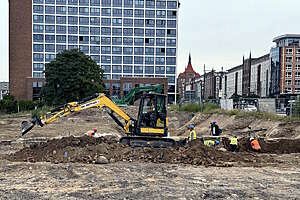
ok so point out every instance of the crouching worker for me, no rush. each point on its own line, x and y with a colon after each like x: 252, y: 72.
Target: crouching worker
x: 192, y: 135
x: 233, y: 143
x: 91, y: 133
x: 255, y: 144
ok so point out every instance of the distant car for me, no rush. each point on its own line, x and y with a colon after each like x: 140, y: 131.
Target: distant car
x: 250, y: 108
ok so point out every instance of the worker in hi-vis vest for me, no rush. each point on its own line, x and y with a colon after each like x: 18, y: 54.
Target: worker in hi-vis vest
x: 193, y: 135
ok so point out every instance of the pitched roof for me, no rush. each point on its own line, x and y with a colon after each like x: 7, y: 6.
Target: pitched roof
x: 189, y: 69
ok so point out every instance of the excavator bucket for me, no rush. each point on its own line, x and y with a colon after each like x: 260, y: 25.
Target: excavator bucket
x: 26, y: 126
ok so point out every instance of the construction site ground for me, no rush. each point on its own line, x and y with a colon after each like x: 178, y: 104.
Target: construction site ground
x: 68, y: 165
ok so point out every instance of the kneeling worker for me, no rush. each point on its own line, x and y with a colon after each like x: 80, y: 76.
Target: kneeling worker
x: 233, y: 143
x: 193, y: 135
x: 255, y: 144
x: 91, y: 133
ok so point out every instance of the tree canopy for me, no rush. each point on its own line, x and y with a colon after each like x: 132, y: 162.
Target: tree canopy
x: 71, y: 77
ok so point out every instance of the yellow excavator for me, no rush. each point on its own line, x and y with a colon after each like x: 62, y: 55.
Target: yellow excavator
x: 149, y: 129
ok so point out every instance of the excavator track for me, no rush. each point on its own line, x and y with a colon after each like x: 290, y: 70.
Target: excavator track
x: 153, y: 142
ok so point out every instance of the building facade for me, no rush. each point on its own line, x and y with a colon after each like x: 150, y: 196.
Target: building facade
x: 127, y: 38
x: 186, y: 82
x: 285, y: 65
x: 4, y: 89
x: 233, y: 81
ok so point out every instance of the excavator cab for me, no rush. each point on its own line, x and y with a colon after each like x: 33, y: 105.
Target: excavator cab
x: 152, y: 116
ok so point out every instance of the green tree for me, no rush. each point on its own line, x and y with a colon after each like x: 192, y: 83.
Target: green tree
x: 71, y: 77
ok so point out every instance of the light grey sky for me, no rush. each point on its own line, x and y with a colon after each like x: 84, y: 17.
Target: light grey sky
x: 216, y: 32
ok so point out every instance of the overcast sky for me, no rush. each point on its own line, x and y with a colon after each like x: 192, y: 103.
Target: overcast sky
x: 216, y: 32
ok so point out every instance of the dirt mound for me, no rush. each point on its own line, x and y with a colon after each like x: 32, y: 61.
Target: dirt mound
x: 276, y: 146
x: 89, y: 150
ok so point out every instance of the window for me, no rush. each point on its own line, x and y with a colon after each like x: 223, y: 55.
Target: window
x: 171, y: 42
x: 139, y: 32
x: 139, y: 22
x: 49, y: 57
x: 117, y: 22
x: 138, y: 50
x: 171, y: 32
x: 49, y: 9
x: 38, y: 28
x: 73, y: 2
x: 160, y: 23
x: 106, y: 40
x: 95, y: 12
x: 161, y: 4
x: 288, y: 67
x: 38, y: 9
x: 83, y: 39
x: 128, y: 3
x: 84, y: 21
x: 127, y: 31
x: 105, y: 50
x: 73, y: 39
x: 38, y: 1
x: 116, y: 68
x: 289, y: 51
x: 117, y: 3
x: 95, y: 40
x: 105, y: 21
x: 160, y: 42
x: 172, y: 5
x: 38, y: 47
x: 172, y: 13
x: 128, y: 13
x: 149, y: 70
x: 60, y: 10
x: 171, y: 69
x: 38, y: 75
x: 138, y: 69
x: 116, y: 50
x: 149, y: 41
x: 117, y: 12
x: 160, y: 51
x: 139, y: 3
x: 150, y: 32
x: 171, y: 79
x: 149, y: 51
x: 288, y: 74
x: 49, y: 48
x: 297, y: 82
x: 160, y: 33
x: 297, y: 51
x: 150, y: 13
x: 83, y: 30
x: 160, y: 13
x: 60, y: 48
x: 160, y: 60
x: 105, y: 59
x: 149, y: 22
x: 127, y: 41
x: 83, y: 10
x: 159, y: 70
x: 128, y: 22
x: 117, y: 41
x: 38, y: 18
x: 127, y: 50
x: 49, y: 1
x: 297, y: 59
x: 38, y: 67
x: 127, y: 60
x: 95, y: 31
x: 171, y: 52
x: 171, y: 61
x: 61, y: 2
x: 61, y: 20
x: 139, y: 41
x: 95, y: 50
x: 72, y: 10
x: 297, y: 67
x: 138, y: 13
x: 61, y: 29
x: 106, y: 76
x: 73, y: 20
x: 150, y: 3
x: 72, y: 47
x: 288, y: 82
x: 38, y: 57
x: 49, y: 38
x: 73, y: 30
x: 127, y: 69
x: 38, y: 37
x: 83, y: 2
x: 106, y: 2
x: 149, y: 60
x: 138, y: 60
x: 171, y: 24
x: 106, y: 12
x: 106, y: 68
x: 95, y: 21
x: 95, y: 2
x: 116, y: 90
x: 288, y: 59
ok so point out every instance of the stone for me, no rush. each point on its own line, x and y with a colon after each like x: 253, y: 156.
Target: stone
x: 101, y: 160
x: 222, y: 149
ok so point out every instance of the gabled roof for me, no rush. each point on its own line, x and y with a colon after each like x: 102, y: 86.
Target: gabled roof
x: 189, y: 69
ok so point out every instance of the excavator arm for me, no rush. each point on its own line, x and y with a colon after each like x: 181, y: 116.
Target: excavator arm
x: 96, y: 101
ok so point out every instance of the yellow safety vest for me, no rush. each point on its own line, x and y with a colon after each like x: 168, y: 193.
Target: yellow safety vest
x: 209, y: 143
x: 233, y: 141
x: 193, y: 135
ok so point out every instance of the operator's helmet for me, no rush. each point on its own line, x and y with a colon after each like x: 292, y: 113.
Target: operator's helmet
x: 94, y: 129
x: 192, y: 126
